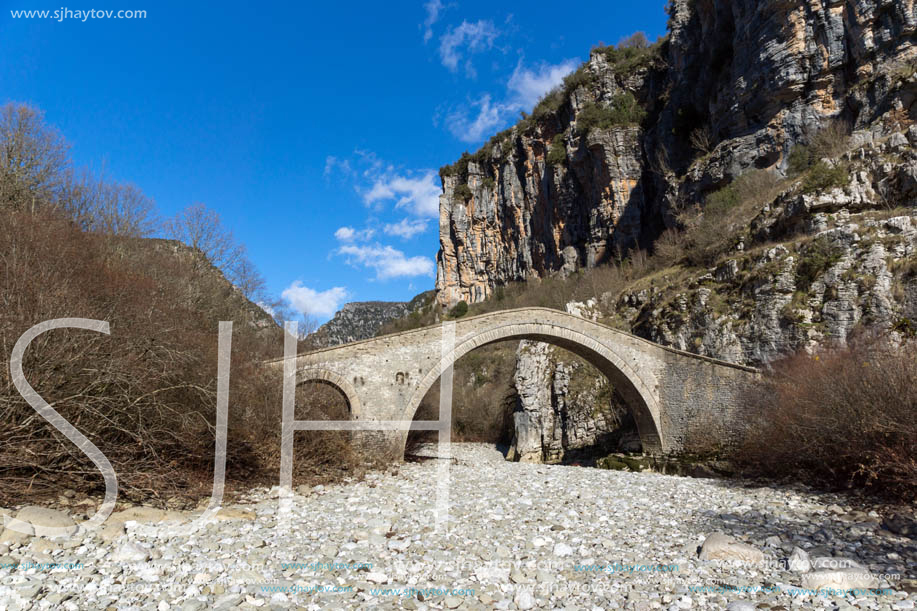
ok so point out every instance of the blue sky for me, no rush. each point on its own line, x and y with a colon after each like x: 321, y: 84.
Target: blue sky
x: 315, y: 129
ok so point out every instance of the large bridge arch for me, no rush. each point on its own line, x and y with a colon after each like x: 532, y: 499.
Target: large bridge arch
x: 633, y: 386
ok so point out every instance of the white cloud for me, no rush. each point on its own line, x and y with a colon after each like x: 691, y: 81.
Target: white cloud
x: 349, y: 234
x: 476, y: 37
x: 490, y: 116
x: 345, y: 234
x: 524, y: 89
x: 332, y: 163
x: 418, y: 194
x: 528, y: 86
x: 314, y: 303
x: 433, y: 8
x: 388, y: 262
x: 271, y: 312
x: 406, y: 228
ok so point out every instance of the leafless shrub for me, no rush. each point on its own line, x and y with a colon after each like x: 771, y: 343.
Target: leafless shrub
x: 660, y: 164
x: 637, y: 40
x: 702, y: 139
x: 841, y: 418
x: 831, y: 141
x: 669, y: 247
x: 145, y: 395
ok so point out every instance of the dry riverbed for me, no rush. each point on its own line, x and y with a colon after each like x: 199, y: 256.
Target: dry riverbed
x: 519, y: 536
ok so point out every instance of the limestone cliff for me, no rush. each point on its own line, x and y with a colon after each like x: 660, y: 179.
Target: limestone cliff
x: 643, y: 143
x: 564, y: 404
x: 817, y: 268
x: 606, y: 162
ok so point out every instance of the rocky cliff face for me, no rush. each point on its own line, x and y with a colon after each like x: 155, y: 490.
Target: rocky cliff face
x: 819, y: 267
x: 639, y: 141
x: 358, y: 320
x: 563, y: 405
x: 736, y: 84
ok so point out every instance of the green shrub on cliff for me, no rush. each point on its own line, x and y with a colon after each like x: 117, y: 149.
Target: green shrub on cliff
x: 460, y: 309
x: 830, y: 141
x: 557, y: 153
x: 624, y: 110
x: 799, y: 160
x: 549, y: 104
x: 580, y: 77
x: 822, y: 176
x: 462, y: 192
x: 814, y: 261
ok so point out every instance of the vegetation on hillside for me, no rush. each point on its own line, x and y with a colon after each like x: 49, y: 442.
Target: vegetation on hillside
x: 841, y: 418
x: 624, y: 110
x: 73, y: 245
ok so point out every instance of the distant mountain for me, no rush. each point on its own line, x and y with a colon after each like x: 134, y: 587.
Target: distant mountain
x: 363, y: 319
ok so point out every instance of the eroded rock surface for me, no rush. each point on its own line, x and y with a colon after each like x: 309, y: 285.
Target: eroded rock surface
x: 736, y: 85
x: 564, y: 404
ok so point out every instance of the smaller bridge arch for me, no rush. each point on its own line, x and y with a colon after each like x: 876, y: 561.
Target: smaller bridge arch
x: 304, y: 375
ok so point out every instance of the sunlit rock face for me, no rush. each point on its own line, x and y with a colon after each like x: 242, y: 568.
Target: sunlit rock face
x: 735, y: 86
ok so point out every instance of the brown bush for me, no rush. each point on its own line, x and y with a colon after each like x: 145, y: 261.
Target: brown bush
x: 712, y: 230
x: 145, y: 395
x: 670, y: 246
x: 843, y: 418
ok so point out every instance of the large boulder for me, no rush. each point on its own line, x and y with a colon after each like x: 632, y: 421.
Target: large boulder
x: 40, y: 522
x: 839, y: 579
x: 720, y: 546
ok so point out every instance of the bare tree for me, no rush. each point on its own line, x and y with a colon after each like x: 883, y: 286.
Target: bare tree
x: 637, y: 40
x: 76, y: 197
x: 33, y: 157
x: 201, y: 228
x: 249, y: 280
x: 123, y: 209
x: 112, y: 208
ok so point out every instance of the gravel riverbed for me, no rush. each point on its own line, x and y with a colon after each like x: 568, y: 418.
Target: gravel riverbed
x: 519, y: 536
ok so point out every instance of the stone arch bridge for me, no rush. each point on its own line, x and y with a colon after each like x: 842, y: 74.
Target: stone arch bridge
x: 681, y: 402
